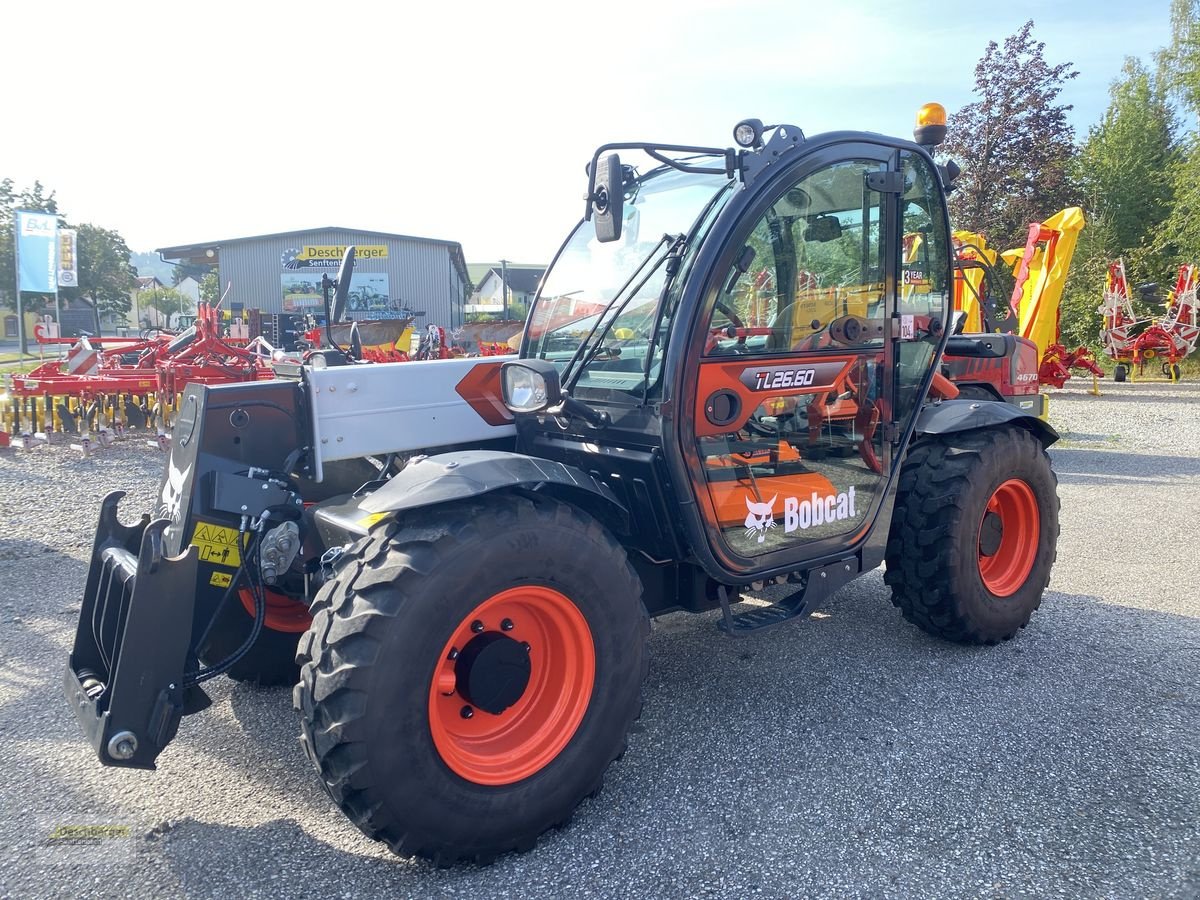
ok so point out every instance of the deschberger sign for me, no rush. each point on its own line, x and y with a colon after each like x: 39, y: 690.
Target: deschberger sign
x: 329, y: 256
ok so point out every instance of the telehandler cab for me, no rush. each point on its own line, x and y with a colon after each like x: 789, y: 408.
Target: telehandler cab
x: 730, y: 377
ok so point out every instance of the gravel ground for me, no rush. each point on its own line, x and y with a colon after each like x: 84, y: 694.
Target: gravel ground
x: 848, y: 755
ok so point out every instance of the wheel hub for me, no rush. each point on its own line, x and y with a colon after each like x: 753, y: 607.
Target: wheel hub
x: 991, y: 533
x: 492, y: 672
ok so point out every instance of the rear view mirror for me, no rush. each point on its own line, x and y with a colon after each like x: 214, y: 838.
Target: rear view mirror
x: 343, y: 284
x: 823, y: 228
x: 608, y: 199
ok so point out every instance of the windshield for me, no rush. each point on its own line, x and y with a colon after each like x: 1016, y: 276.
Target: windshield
x: 612, y: 289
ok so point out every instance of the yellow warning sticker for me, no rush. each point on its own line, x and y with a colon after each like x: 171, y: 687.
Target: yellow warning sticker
x: 220, y: 579
x: 371, y: 519
x: 218, y: 545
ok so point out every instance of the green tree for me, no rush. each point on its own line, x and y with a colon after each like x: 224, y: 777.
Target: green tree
x: 105, y: 274
x: 1179, y: 63
x: 1124, y: 167
x: 210, y: 288
x: 1014, y: 143
x: 167, y: 303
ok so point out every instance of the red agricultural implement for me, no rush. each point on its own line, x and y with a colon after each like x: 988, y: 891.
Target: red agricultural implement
x: 131, y: 380
x: 1134, y: 341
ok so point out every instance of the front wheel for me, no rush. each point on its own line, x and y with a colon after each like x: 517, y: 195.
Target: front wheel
x: 974, y: 534
x: 469, y: 677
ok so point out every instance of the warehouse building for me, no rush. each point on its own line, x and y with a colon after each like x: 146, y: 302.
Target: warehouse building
x: 279, y: 275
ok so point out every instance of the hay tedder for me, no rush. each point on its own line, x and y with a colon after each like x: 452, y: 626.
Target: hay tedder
x: 1134, y: 341
x: 455, y: 561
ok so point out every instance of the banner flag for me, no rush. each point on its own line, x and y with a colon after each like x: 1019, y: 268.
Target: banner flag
x: 37, y: 249
x: 68, y: 258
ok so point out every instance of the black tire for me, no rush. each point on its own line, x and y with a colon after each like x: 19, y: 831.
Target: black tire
x: 378, y: 640
x: 271, y: 659
x: 935, y: 557
x: 975, y: 392
x: 1119, y: 373
x: 1175, y: 372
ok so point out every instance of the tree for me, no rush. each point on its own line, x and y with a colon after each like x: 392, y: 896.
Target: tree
x: 1179, y: 63
x: 1014, y: 143
x: 1179, y: 238
x: 167, y: 302
x: 181, y: 271
x: 210, y: 288
x: 105, y: 274
x: 1124, y: 167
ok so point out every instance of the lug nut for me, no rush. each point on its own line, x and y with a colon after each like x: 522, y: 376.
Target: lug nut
x: 467, y: 712
x: 525, y: 644
x: 506, y: 625
x: 454, y: 653
x: 477, y: 626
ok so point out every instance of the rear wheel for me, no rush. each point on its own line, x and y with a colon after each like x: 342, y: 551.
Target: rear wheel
x: 1119, y: 373
x: 468, y: 679
x: 974, y: 534
x: 1175, y: 372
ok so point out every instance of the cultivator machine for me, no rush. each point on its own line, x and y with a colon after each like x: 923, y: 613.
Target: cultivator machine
x: 1134, y: 341
x: 119, y: 383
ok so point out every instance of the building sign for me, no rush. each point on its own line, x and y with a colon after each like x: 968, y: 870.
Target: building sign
x: 329, y: 256
x: 68, y: 259
x: 38, y: 251
x: 368, y: 298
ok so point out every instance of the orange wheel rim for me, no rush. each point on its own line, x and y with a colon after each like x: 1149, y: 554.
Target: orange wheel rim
x: 512, y: 685
x: 1008, y: 538
x: 283, y: 612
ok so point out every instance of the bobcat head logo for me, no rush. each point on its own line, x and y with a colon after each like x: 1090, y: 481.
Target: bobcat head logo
x: 759, y: 518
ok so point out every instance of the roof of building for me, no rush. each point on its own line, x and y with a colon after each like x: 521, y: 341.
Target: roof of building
x: 523, y: 279
x: 207, y: 252
x: 145, y: 281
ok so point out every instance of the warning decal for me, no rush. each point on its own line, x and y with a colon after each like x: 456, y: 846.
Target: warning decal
x: 217, y: 544
x: 220, y: 579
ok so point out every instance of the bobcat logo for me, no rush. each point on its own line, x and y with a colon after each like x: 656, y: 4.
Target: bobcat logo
x: 172, y: 493
x: 759, y: 518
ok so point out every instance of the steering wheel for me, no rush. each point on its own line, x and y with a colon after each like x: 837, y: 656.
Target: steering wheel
x: 735, y: 323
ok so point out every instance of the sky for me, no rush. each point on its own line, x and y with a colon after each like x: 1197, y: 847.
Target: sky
x: 177, y: 123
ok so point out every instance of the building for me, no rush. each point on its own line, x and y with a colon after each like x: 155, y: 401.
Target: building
x: 522, y: 280
x: 395, y: 275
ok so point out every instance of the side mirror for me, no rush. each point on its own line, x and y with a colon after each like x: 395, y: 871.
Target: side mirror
x: 343, y: 284
x: 608, y: 199
x: 958, y: 321
x: 823, y: 228
x: 530, y: 385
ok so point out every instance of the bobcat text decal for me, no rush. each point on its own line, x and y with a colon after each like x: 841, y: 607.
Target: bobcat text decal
x: 817, y: 510
x: 799, y: 515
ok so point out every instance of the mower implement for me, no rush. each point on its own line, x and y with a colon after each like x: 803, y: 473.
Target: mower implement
x: 734, y: 375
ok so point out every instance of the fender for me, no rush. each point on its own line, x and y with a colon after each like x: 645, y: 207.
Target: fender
x: 951, y: 416
x: 430, y: 480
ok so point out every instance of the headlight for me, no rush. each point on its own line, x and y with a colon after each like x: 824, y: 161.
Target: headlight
x: 524, y: 390
x: 530, y: 385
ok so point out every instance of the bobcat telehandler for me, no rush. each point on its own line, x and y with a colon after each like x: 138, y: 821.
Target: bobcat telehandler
x: 730, y: 378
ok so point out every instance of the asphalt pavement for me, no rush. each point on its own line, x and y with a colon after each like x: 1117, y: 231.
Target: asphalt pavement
x: 849, y: 755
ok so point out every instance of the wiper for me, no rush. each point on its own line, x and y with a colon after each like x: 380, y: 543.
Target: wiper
x: 582, y: 355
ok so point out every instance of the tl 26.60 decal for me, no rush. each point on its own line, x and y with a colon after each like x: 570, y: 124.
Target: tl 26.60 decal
x: 776, y: 378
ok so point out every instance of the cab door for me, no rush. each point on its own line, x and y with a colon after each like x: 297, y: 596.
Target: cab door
x: 799, y: 397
